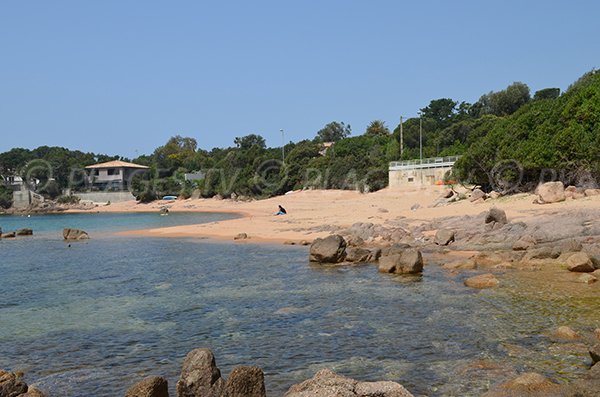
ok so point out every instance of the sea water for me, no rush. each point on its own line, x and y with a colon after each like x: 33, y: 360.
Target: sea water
x: 93, y: 317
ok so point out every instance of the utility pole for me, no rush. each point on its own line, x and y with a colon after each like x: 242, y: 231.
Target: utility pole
x: 421, y: 137
x: 282, y: 147
x: 421, y: 145
x: 401, y: 139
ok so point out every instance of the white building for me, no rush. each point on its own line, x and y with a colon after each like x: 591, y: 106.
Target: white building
x: 430, y: 171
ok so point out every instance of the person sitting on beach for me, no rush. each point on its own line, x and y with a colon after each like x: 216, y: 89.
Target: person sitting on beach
x: 281, y: 211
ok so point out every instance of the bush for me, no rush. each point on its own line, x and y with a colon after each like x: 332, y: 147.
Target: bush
x: 6, y: 197
x: 68, y: 199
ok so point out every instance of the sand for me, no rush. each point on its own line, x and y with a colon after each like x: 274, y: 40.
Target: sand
x: 312, y: 212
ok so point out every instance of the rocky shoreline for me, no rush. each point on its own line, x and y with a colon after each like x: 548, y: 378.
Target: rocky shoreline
x: 200, y: 377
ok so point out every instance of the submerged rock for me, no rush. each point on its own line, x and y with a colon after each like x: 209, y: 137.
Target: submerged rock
x: 331, y: 249
x: 200, y: 376
x: 482, y: 281
x: 565, y: 332
x: 245, y: 381
x: 327, y: 383
x: 528, y: 384
x: 153, y: 386
x: 75, y: 234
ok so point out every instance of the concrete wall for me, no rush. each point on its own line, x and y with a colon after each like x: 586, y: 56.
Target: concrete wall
x: 105, y: 197
x: 21, y: 199
x: 416, y: 177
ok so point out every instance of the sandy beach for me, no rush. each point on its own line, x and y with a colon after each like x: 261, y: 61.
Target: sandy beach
x: 315, y: 213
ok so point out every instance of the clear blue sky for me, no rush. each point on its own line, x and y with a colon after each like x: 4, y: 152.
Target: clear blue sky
x: 121, y: 77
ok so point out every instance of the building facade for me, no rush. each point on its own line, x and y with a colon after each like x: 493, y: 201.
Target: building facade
x: 430, y: 171
x: 113, y: 176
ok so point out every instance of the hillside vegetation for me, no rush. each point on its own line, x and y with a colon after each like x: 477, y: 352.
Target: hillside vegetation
x: 509, y: 141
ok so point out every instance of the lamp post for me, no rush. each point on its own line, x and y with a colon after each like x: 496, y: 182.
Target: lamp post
x: 282, y: 147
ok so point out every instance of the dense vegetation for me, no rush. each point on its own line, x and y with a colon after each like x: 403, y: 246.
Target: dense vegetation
x: 509, y: 141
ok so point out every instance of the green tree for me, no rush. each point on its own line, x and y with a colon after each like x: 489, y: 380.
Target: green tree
x: 248, y: 141
x: 333, y: 132
x: 377, y: 127
x: 546, y: 93
x: 505, y: 102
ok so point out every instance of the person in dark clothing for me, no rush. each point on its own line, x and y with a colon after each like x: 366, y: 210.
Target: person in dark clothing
x: 282, y: 211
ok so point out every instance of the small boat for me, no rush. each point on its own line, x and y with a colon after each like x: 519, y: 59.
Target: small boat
x: 169, y: 198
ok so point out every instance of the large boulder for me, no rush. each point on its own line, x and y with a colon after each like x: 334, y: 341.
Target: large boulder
x: 152, y: 386
x: 245, y: 381
x: 551, y: 192
x: 362, y: 255
x: 200, y: 376
x: 75, y: 234
x: 444, y: 237
x: 496, y: 215
x: 482, y: 281
x: 331, y: 249
x: 410, y: 261
x: 327, y: 383
x: 580, y: 262
x: 11, y: 385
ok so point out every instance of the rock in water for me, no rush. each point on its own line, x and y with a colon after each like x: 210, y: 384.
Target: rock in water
x: 9, y: 235
x: 580, y: 262
x: 200, y: 376
x: 444, y: 237
x: 482, y: 281
x: 24, y: 232
x: 75, y: 234
x: 595, y: 353
x: 32, y: 392
x: 245, y: 381
x: 153, y: 386
x: 568, y: 333
x: 496, y: 215
x: 327, y: 383
x: 551, y: 192
x: 410, y: 261
x: 331, y: 249
x: 11, y: 385
x: 528, y: 384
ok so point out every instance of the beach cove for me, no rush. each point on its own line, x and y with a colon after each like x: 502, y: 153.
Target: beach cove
x: 132, y: 304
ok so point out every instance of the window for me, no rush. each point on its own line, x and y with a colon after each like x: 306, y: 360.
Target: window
x: 113, y: 171
x: 411, y: 179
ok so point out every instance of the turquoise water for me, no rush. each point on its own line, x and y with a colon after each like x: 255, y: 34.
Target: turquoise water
x: 93, y: 318
x: 105, y: 222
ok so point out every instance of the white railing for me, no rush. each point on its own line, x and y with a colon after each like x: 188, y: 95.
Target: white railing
x: 432, y: 162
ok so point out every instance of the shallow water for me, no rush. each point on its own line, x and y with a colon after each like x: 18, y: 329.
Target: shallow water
x: 93, y: 318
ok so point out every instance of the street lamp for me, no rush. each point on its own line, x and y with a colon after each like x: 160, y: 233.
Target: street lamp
x: 282, y: 147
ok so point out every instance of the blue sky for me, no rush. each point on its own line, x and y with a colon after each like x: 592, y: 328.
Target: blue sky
x: 121, y: 77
